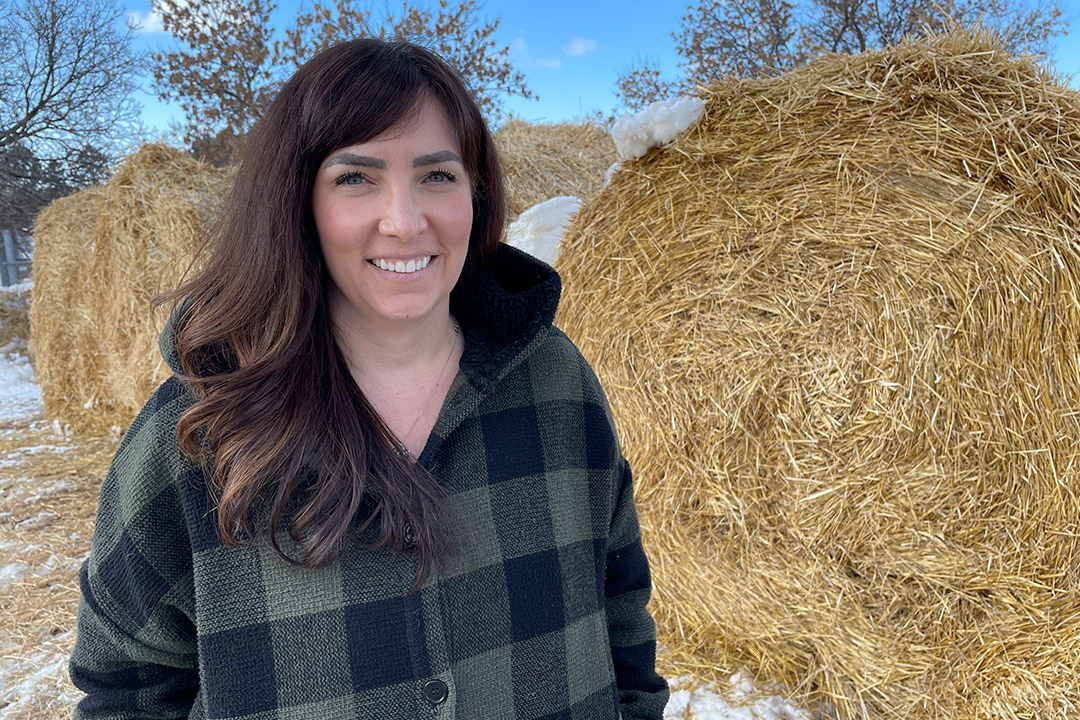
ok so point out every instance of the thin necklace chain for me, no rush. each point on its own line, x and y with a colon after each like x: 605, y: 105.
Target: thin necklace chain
x: 438, y: 379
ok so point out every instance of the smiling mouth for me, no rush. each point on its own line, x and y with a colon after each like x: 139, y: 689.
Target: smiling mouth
x: 401, y: 266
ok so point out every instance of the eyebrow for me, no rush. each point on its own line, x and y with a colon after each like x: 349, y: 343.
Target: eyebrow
x: 437, y: 157
x: 347, y: 158
x: 356, y: 160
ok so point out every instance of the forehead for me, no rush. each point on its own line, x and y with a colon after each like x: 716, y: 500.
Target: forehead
x: 423, y: 130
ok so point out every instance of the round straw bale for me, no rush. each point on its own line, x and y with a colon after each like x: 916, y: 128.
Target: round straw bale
x: 543, y: 161
x: 67, y: 355
x: 100, y: 256
x: 839, y: 323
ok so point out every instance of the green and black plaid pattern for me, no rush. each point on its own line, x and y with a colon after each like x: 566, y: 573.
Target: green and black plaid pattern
x: 538, y: 612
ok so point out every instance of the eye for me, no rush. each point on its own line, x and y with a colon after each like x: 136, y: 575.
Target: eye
x: 353, y: 177
x: 441, y: 176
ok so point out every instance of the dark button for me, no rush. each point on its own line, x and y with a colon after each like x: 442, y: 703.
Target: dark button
x: 436, y: 691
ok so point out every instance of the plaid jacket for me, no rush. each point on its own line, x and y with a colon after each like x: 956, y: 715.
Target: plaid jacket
x: 539, y: 612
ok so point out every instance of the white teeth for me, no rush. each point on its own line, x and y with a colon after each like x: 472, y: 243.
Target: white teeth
x: 401, y: 266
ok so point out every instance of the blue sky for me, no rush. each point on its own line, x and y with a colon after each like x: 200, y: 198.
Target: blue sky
x: 572, y: 51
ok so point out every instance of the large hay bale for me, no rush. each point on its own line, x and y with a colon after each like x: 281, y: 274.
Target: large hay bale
x: 100, y: 257
x: 839, y: 322
x: 544, y: 161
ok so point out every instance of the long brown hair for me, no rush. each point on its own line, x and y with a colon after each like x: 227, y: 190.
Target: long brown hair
x: 287, y: 426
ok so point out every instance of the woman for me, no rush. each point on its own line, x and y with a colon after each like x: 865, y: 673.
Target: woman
x: 380, y: 484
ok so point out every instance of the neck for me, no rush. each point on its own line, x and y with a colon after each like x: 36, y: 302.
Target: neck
x: 404, y: 368
x: 372, y: 346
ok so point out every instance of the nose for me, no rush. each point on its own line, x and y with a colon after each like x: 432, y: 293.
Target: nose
x: 402, y: 216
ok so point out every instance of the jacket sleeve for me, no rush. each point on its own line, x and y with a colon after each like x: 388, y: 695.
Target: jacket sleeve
x: 135, y: 651
x: 627, y: 585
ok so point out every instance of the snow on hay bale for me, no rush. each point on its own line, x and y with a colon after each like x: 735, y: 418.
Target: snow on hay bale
x: 839, y: 322
x: 100, y: 256
x: 539, y: 229
x: 544, y: 161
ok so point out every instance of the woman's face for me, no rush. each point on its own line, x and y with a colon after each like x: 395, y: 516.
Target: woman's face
x: 394, y: 216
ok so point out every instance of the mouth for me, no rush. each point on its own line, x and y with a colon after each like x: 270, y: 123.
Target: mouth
x: 401, y: 266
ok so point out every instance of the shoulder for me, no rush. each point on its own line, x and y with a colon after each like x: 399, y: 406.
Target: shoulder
x: 168, y: 402
x: 142, y: 479
x: 153, y: 431
x: 568, y: 395
x: 557, y: 361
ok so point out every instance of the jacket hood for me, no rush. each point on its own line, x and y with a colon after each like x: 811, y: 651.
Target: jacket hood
x: 501, y: 310
x: 167, y: 341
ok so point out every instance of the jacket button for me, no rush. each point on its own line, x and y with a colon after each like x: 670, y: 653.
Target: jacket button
x: 436, y: 691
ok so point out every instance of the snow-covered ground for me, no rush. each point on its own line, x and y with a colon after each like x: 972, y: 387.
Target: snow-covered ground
x: 20, y: 397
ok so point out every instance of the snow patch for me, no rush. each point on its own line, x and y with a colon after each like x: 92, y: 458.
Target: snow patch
x: 18, y: 290
x: 740, y: 701
x: 12, y: 572
x: 18, y: 457
x: 57, y: 487
x: 20, y: 396
x: 40, y: 520
x: 657, y: 124
x: 539, y: 229
x: 610, y: 172
x: 27, y: 684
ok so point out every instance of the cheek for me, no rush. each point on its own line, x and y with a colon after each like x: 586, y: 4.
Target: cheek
x: 339, y: 225
x: 463, y: 219
x: 327, y: 221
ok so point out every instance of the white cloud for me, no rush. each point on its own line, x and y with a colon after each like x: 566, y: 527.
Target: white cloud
x: 520, y: 53
x: 146, y: 24
x: 518, y: 47
x: 580, y: 46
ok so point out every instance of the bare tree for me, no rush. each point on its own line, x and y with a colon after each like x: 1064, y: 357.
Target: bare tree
x: 753, y: 38
x: 737, y: 37
x: 852, y: 26
x: 66, y: 74
x: 225, y: 80
x: 234, y: 69
x: 641, y: 84
x: 454, y: 31
x: 31, y: 182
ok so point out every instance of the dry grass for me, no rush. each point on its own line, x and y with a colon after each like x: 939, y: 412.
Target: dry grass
x: 543, y: 161
x: 100, y: 257
x: 14, y: 313
x: 839, y: 323
x: 49, y: 483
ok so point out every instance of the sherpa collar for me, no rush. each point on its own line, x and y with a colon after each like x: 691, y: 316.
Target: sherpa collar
x: 502, y: 310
